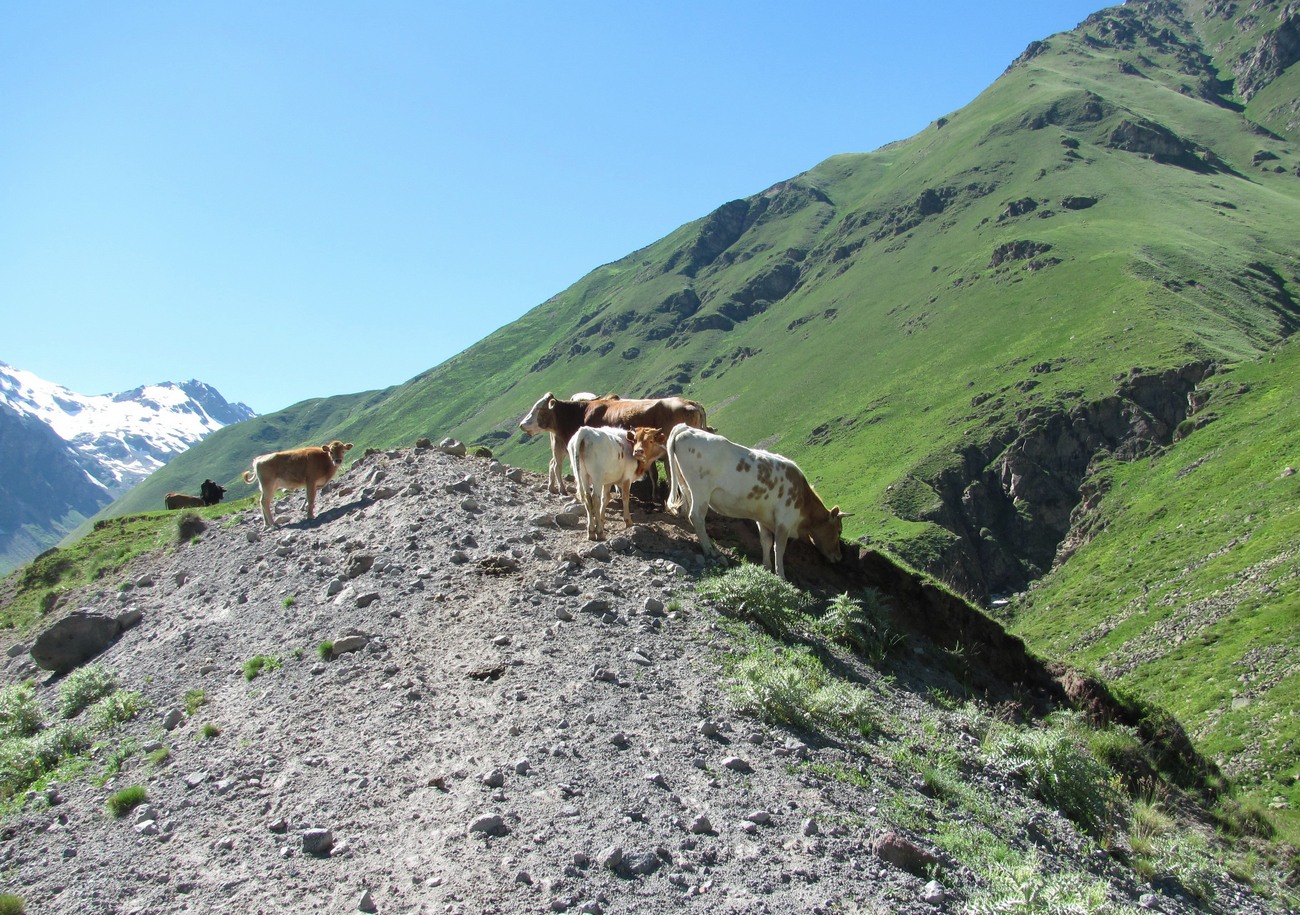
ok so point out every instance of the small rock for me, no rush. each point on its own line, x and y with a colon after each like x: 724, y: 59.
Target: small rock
x: 701, y: 825
x: 452, y: 446
x: 317, y: 841
x: 933, y: 893
x: 366, y: 903
x: 348, y: 643
x: 494, y: 779
x: 489, y: 824
x: 610, y: 857
x: 736, y: 764
x: 657, y: 779
x: 172, y: 718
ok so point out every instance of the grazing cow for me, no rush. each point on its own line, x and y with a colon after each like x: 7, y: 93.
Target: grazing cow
x: 562, y: 418
x: 211, y: 492
x: 181, y: 500
x: 604, y: 457
x: 710, y: 471
x: 302, y: 468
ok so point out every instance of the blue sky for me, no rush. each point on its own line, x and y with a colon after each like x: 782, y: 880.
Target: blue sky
x: 294, y: 200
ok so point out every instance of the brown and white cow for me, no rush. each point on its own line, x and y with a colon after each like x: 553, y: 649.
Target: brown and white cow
x: 181, y: 500
x: 301, y: 468
x: 604, y: 457
x: 562, y: 418
x: 711, y: 471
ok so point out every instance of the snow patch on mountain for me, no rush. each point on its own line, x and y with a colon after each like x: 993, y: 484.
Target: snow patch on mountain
x: 119, y: 439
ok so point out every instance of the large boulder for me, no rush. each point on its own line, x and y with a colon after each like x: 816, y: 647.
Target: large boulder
x: 74, y: 639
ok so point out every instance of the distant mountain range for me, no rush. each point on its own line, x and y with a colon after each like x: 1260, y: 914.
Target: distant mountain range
x: 67, y: 455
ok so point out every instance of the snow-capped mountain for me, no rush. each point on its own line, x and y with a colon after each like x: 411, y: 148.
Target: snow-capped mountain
x: 67, y: 454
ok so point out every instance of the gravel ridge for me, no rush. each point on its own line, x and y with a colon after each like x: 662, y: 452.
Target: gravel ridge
x: 513, y: 719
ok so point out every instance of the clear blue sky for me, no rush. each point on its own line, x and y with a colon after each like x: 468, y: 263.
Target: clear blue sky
x: 292, y: 200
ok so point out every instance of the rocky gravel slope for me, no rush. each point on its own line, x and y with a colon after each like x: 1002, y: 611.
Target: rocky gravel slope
x: 512, y: 719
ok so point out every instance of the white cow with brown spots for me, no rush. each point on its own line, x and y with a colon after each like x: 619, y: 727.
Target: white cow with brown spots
x: 603, y: 457
x: 709, y: 471
x: 301, y: 468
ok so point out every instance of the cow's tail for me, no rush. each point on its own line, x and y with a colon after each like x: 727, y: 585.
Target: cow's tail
x: 676, y: 492
x: 703, y: 417
x: 250, y: 475
x: 580, y: 480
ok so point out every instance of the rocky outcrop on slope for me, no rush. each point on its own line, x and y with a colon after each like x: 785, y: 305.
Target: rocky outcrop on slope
x: 465, y: 706
x: 1009, y: 503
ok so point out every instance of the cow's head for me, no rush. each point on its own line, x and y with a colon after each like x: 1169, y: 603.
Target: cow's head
x: 335, y: 450
x: 825, y: 533
x: 649, y: 444
x: 540, y: 418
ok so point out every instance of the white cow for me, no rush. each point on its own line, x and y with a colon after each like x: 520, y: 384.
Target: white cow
x: 711, y: 471
x: 603, y: 457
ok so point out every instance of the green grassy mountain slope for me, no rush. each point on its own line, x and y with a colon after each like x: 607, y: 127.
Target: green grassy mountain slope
x: 962, y: 337
x: 1187, y: 589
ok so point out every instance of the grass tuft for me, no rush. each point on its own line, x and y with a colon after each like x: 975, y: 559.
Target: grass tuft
x: 258, y: 663
x: 120, y: 803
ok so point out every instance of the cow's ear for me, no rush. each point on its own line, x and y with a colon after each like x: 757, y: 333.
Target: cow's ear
x: 347, y: 447
x: 325, y: 448
x: 550, y: 403
x: 631, y: 436
x: 661, y: 436
x: 839, y: 514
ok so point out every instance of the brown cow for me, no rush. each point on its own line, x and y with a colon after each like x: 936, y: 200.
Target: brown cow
x: 302, y: 468
x: 180, y: 500
x: 562, y: 418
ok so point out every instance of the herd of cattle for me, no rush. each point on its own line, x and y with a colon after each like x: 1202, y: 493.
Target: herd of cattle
x: 609, y: 442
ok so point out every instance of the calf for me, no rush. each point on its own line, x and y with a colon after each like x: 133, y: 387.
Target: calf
x: 708, y: 470
x: 302, y: 468
x: 562, y: 418
x: 211, y: 492
x: 180, y: 500
x: 602, y: 458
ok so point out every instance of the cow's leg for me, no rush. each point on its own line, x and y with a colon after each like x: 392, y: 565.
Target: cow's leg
x: 626, y: 486
x: 765, y: 542
x: 606, y: 491
x: 698, y: 509
x: 311, y: 501
x: 555, y: 481
x: 268, y: 496
x: 782, y: 538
